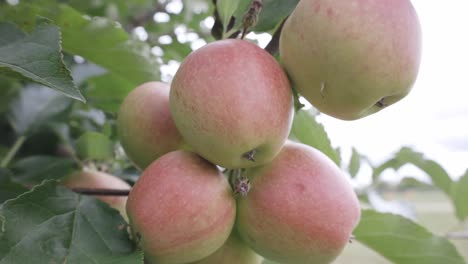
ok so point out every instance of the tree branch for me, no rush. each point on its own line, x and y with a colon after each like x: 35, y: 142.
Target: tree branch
x: 12, y: 152
x: 101, y: 191
x: 462, y: 235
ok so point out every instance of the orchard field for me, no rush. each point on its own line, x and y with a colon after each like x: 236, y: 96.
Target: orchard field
x: 195, y: 131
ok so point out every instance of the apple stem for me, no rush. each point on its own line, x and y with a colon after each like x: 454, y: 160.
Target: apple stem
x: 100, y: 191
x: 239, y: 183
x: 251, y: 16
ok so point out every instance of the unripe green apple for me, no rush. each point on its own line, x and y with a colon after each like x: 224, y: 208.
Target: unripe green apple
x: 350, y: 59
x: 181, y: 209
x: 232, y: 103
x: 88, y: 178
x: 300, y: 209
x: 145, y: 126
x: 234, y: 251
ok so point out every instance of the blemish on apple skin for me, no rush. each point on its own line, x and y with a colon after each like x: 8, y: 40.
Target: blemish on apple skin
x: 322, y: 89
x: 317, y: 8
x: 251, y: 239
x: 330, y: 12
x: 300, y: 187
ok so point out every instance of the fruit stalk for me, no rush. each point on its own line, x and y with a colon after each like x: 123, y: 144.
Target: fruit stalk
x: 251, y: 16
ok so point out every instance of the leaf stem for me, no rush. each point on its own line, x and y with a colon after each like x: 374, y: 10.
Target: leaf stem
x: 12, y: 152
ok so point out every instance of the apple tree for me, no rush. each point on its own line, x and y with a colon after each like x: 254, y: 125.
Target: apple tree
x: 100, y: 98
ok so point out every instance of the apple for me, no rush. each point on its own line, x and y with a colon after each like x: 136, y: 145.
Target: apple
x: 145, y: 126
x: 232, y: 103
x: 88, y: 178
x: 181, y: 209
x: 350, y: 59
x: 300, y: 209
x: 234, y: 251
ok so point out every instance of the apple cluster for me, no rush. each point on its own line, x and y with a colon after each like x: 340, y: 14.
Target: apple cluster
x: 221, y: 182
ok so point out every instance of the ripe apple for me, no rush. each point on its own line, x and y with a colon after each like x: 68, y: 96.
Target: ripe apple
x: 232, y: 103
x: 88, y: 178
x: 234, y: 251
x: 350, y: 59
x: 145, y: 126
x: 181, y: 209
x: 300, y: 209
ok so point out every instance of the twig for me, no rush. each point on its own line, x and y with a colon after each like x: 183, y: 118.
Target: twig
x: 12, y: 152
x: 101, y: 191
x: 251, y: 16
x: 462, y: 235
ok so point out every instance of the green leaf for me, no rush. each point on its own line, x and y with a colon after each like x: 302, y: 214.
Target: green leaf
x: 37, y: 57
x: 273, y: 13
x: 460, y: 196
x: 307, y: 130
x: 105, y: 43
x: 354, y: 163
x: 108, y: 91
x: 9, y: 189
x: 93, y: 145
x: 238, y: 15
x: 403, y: 241
x: 36, y: 107
x: 97, y: 39
x: 51, y: 224
x: 8, y: 90
x: 226, y: 9
x: 406, y: 155
x: 35, y: 169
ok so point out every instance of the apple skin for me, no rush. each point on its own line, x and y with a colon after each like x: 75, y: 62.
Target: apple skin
x: 231, y: 97
x: 181, y: 209
x: 88, y: 178
x: 300, y: 209
x: 145, y: 126
x: 234, y: 251
x: 350, y: 59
